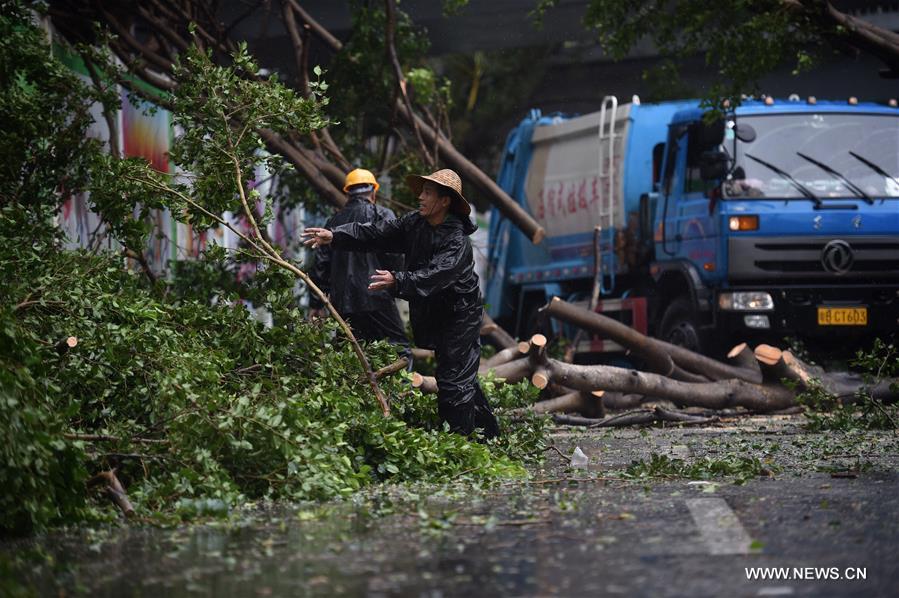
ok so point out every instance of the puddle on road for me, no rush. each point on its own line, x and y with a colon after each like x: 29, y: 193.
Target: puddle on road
x: 548, y: 536
x: 496, y: 544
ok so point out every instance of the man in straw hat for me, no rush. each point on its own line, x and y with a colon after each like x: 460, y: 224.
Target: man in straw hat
x: 440, y: 284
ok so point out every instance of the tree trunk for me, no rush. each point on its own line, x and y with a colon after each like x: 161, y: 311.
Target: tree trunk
x: 466, y: 169
x: 714, y: 395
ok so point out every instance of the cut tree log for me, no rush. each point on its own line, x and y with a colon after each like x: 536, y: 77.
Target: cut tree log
x: 114, y: 490
x: 742, y: 357
x: 661, y: 357
x: 426, y: 384
x: 510, y: 373
x: 63, y: 345
x: 507, y: 355
x: 540, y: 377
x: 773, y: 367
x: 488, y: 327
x: 419, y: 353
x: 657, y: 360
x: 585, y: 403
x: 715, y: 395
x: 497, y: 334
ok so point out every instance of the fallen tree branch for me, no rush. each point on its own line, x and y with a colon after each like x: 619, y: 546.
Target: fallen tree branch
x: 632, y: 418
x: 669, y: 415
x: 397, y: 366
x: 466, y: 169
x: 323, y: 34
x: 265, y: 250
x: 573, y: 420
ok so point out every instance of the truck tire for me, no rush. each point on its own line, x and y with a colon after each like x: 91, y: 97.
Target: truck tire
x: 679, y: 326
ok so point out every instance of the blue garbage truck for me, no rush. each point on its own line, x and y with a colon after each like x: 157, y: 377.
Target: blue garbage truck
x: 777, y: 219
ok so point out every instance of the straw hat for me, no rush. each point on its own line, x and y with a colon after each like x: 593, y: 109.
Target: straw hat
x: 449, y: 181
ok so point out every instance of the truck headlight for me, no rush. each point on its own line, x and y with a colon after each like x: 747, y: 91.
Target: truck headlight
x: 746, y: 301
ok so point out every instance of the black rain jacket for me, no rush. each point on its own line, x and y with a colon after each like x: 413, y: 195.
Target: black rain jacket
x: 344, y: 275
x: 438, y: 280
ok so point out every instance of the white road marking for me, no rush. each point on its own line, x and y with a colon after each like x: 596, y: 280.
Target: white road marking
x: 722, y: 531
x: 776, y: 591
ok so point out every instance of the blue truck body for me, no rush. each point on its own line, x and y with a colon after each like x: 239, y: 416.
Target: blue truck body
x: 796, y: 233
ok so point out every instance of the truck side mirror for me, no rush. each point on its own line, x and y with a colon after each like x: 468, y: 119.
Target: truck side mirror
x: 713, y: 165
x: 744, y: 133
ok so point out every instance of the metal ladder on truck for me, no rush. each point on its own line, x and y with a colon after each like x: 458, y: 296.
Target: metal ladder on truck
x: 608, y: 114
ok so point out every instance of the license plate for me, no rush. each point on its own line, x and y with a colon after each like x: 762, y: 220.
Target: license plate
x: 842, y: 316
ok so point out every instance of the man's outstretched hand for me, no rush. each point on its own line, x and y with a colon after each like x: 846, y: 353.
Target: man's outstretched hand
x: 381, y: 279
x: 317, y: 237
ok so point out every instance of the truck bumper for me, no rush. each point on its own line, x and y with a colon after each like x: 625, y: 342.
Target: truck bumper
x: 851, y: 313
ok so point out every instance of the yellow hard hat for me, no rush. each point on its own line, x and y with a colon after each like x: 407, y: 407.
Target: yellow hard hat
x: 360, y: 176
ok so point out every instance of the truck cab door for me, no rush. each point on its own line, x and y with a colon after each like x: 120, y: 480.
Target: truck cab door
x: 697, y: 229
x: 691, y: 233
x: 667, y: 235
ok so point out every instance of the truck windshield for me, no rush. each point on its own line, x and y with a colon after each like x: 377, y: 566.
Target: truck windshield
x: 831, y: 155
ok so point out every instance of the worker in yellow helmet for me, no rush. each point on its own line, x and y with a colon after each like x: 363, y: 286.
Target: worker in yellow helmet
x: 344, y: 275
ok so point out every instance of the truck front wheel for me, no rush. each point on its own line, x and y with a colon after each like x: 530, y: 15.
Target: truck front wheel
x: 679, y: 326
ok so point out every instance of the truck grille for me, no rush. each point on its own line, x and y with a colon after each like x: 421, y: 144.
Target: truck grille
x: 806, y: 258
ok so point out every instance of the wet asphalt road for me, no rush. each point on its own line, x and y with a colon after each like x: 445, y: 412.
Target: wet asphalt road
x: 827, y: 506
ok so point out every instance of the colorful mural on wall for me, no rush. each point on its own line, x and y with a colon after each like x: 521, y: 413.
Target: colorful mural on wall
x: 82, y: 227
x: 147, y: 131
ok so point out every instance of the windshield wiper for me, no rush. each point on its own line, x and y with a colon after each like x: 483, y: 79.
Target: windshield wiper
x: 874, y: 167
x: 802, y: 188
x: 849, y: 184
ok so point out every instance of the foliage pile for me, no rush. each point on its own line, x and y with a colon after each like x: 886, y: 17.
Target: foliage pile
x: 194, y: 403
x: 824, y: 412
x: 243, y: 410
